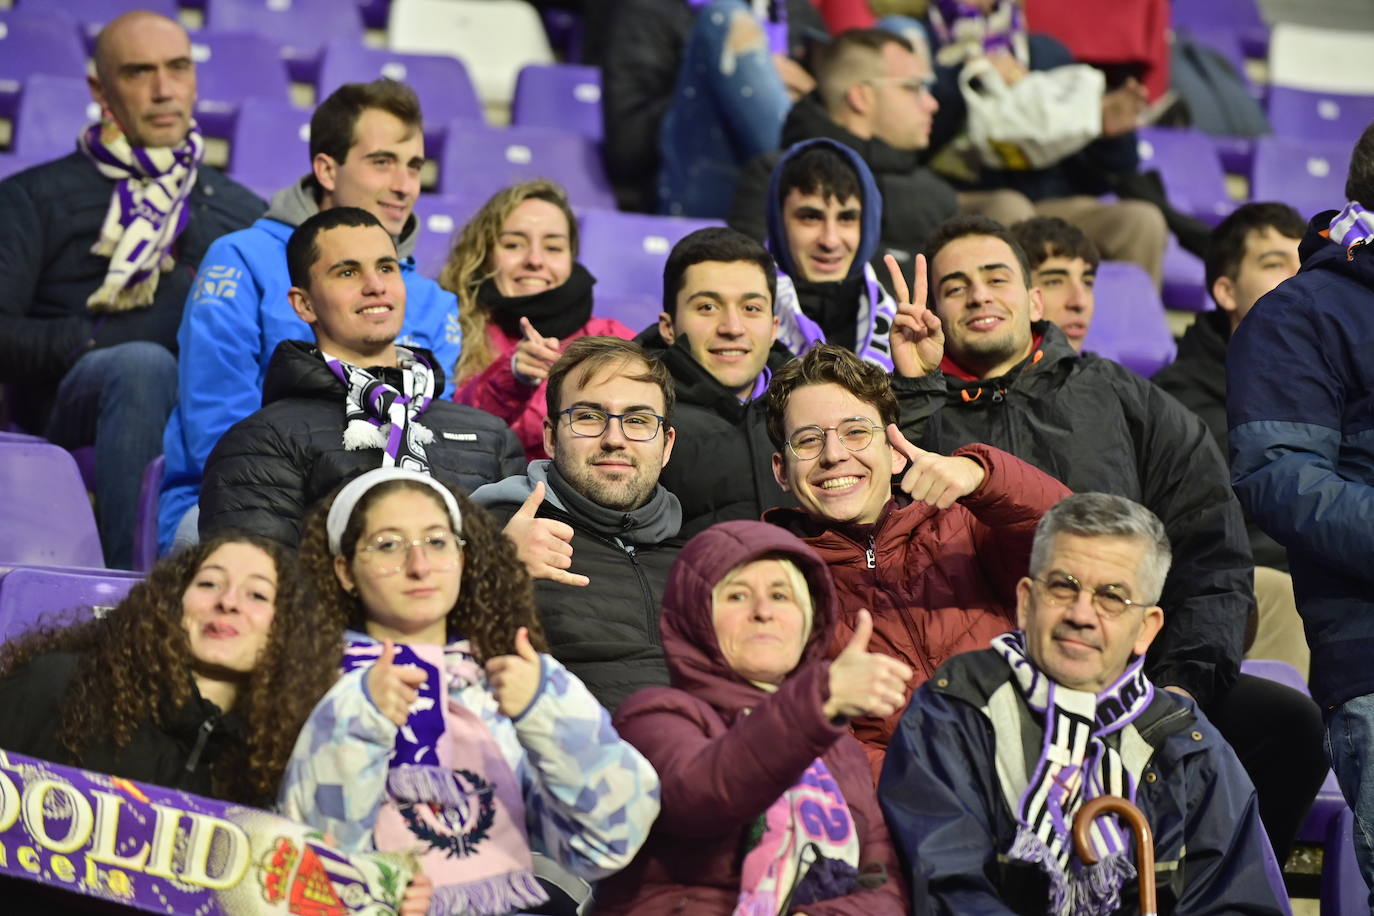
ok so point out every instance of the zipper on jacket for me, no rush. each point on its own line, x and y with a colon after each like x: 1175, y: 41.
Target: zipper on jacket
x: 202, y: 738
x: 871, y: 553
x: 650, y: 625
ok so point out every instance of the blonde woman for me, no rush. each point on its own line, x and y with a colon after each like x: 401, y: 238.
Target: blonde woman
x: 522, y: 295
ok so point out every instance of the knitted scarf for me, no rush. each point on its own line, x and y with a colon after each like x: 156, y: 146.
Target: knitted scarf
x: 147, y: 211
x: 451, y: 792
x: 965, y: 31
x: 1076, y: 764
x: 875, y: 312
x: 807, y: 851
x: 555, y: 312
x: 376, y: 415
x: 1353, y: 225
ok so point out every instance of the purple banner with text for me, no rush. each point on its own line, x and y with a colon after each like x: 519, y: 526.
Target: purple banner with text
x: 171, y: 852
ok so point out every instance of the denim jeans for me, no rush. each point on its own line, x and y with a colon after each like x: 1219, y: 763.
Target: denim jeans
x: 727, y: 108
x: 117, y: 399
x: 1350, y: 747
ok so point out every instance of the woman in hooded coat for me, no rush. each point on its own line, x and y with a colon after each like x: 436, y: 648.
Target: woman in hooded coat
x: 767, y: 802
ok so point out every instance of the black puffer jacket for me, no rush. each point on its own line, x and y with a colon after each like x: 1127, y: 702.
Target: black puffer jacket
x: 915, y: 199
x: 52, y: 215
x: 722, y: 464
x: 639, y: 69
x: 270, y: 467
x: 605, y: 632
x: 1198, y: 379
x: 1100, y: 427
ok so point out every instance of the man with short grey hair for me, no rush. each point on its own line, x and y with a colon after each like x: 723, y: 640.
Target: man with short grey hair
x: 999, y: 751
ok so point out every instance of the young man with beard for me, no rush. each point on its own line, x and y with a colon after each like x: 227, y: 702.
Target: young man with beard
x: 982, y: 366
x: 349, y: 401
x: 716, y: 336
x: 609, y: 430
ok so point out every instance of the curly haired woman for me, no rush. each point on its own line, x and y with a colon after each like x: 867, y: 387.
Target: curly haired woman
x: 193, y: 682
x: 521, y: 297
x: 449, y: 731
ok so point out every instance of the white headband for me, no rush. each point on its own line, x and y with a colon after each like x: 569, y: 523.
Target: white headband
x: 348, y: 497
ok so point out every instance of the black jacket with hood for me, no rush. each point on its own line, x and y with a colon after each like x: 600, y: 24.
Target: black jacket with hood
x: 722, y: 465
x: 1097, y: 426
x: 915, y: 199
x: 270, y: 467
x: 605, y: 632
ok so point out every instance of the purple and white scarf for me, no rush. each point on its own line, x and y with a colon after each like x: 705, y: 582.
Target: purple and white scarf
x: 147, y: 211
x: 1353, y: 226
x: 965, y: 31
x: 1076, y: 764
x: 874, y: 317
x: 376, y: 415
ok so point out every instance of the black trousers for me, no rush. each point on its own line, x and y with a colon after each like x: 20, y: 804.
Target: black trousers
x: 1277, y: 733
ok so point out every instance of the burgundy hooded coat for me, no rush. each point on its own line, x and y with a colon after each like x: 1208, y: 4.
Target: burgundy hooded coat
x: 726, y: 750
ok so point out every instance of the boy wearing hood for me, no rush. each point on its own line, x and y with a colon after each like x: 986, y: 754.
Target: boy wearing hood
x: 1298, y: 380
x: 824, y: 219
x: 366, y: 150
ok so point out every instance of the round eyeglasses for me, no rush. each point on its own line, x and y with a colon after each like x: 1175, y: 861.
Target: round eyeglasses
x: 637, y: 425
x: 1062, y: 590
x: 388, y: 553
x: 854, y: 434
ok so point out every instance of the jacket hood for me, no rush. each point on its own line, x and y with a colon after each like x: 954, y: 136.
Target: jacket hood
x: 871, y: 220
x: 694, y: 385
x: 695, y: 662
x: 296, y: 203
x: 1318, y: 252
x: 297, y: 370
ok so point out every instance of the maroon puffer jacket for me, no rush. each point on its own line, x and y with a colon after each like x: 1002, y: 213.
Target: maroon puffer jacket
x: 726, y: 750
x: 941, y: 582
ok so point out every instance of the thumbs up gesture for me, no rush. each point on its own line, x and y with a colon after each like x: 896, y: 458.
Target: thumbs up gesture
x: 515, y: 678
x: 535, y: 354
x: 394, y: 688
x: 934, y: 479
x: 544, y: 545
x: 917, y: 338
x: 864, y: 683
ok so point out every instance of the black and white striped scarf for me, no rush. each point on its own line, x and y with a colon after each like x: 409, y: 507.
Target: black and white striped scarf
x: 377, y: 415
x: 1075, y: 765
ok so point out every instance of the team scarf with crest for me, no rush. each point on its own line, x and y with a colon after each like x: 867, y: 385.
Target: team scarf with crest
x: 147, y: 211
x: 1353, y: 225
x: 377, y: 415
x: 1076, y: 764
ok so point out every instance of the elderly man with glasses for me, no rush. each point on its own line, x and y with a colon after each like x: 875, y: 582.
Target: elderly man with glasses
x: 998, y: 752
x: 935, y: 558
x: 610, y: 531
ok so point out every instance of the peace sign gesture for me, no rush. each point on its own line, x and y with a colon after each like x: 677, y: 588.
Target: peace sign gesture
x: 917, y: 340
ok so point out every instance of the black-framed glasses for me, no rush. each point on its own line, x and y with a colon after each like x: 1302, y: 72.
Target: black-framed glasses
x: 387, y: 554
x: 854, y: 433
x: 636, y: 425
x: 1062, y: 590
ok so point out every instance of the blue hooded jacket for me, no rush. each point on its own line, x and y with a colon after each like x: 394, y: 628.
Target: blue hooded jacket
x: 874, y: 308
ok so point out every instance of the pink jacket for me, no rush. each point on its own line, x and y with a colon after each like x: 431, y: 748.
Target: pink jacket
x: 497, y: 391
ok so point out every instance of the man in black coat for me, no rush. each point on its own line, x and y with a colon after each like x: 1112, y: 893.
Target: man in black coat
x: 349, y: 402
x: 87, y: 339
x: 981, y: 366
x: 716, y: 336
x: 609, y: 432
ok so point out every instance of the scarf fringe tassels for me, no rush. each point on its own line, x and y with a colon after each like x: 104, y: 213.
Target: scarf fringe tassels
x: 1091, y: 891
x: 508, y: 893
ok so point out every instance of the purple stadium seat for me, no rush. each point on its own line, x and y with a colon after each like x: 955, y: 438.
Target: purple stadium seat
x: 1239, y: 16
x: 1128, y: 321
x: 441, y: 82
x: 561, y: 96
x: 564, y: 28
x: 1184, y: 283
x: 441, y: 217
x: 1309, y: 175
x: 1300, y: 114
x: 270, y: 146
x: 52, y: 112
x: 478, y: 160
x: 1187, y: 159
x: 36, y: 42
x: 232, y: 67
x: 145, y: 527
x: 304, y: 27
x: 45, y: 515
x: 34, y: 596
x: 626, y: 253
x: 92, y: 15
x: 374, y: 12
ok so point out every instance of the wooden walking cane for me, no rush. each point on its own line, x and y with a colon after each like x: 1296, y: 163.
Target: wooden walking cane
x: 1144, y: 843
